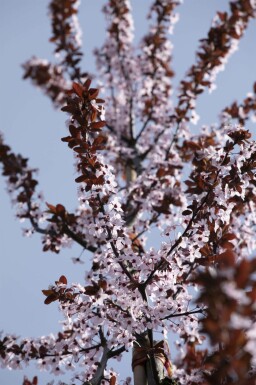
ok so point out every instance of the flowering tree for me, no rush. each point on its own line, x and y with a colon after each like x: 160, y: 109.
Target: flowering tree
x: 140, y: 166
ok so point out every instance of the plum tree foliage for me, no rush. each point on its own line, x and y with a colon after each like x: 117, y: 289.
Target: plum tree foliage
x: 140, y: 165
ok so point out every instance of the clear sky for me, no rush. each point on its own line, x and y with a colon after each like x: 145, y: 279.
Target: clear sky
x: 33, y: 128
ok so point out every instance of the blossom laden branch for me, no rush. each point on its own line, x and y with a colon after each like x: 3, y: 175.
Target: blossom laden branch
x: 66, y: 35
x: 85, y: 110
x: 212, y: 56
x: 241, y: 112
x: 22, y: 186
x: 48, y: 77
x: 154, y: 61
x: 55, y: 79
x: 186, y: 313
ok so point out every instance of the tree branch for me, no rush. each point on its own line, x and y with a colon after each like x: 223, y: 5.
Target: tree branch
x: 189, y: 312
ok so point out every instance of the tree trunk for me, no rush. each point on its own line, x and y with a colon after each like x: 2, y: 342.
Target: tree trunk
x: 148, y: 363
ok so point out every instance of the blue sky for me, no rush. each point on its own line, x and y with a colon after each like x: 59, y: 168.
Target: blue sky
x: 33, y: 128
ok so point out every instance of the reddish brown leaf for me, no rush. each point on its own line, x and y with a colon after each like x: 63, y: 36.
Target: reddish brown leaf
x: 51, y: 208
x: 60, y: 209
x: 98, y: 125
x: 98, y: 181
x: 66, y: 139
x: 243, y: 273
x: 103, y: 284
x: 227, y: 258
x: 78, y: 88
x: 51, y: 298
x: 63, y: 279
x: 229, y: 236
x: 80, y: 178
x: 73, y: 130
x: 93, y: 93
x: 186, y: 212
x: 47, y: 292
x: 87, y: 84
x: 93, y: 114
x: 160, y: 172
x: 112, y: 380
x: 91, y: 290
x: 222, y: 15
x: 99, y: 140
